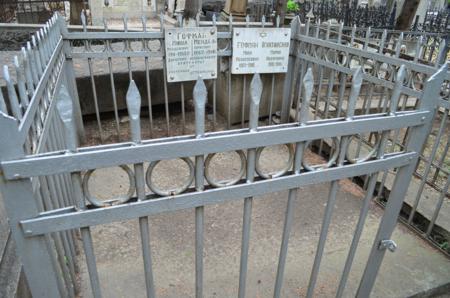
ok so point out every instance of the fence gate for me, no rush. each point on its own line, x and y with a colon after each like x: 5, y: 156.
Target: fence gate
x: 44, y: 173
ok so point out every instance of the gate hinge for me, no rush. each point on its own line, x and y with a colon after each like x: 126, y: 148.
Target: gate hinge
x: 387, y: 244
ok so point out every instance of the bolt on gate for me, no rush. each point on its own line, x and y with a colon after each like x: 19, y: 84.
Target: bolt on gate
x: 45, y: 171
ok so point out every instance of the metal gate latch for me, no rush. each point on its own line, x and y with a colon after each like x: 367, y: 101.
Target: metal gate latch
x: 389, y: 244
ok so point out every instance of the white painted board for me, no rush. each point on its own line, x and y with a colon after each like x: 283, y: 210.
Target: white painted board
x: 191, y: 53
x: 260, y: 50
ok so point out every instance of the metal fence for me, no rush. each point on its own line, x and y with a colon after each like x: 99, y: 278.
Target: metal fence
x: 351, y: 14
x: 45, y: 172
x: 379, y: 17
x: 432, y: 170
x: 31, y: 11
x: 421, y: 47
x: 434, y: 21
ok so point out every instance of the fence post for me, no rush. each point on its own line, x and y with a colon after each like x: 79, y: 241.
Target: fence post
x: 71, y: 79
x: 287, y: 93
x: 20, y: 204
x: 428, y: 102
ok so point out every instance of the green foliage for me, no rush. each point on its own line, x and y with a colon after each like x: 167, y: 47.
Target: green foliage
x: 293, y: 6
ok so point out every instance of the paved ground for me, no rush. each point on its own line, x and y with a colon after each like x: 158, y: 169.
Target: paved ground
x: 413, y: 268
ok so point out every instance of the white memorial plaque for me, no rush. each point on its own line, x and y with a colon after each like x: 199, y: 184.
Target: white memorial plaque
x: 260, y: 50
x: 190, y: 53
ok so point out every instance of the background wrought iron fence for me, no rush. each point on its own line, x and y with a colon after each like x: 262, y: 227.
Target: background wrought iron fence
x: 421, y: 47
x: 45, y: 170
x: 34, y: 11
x: 435, y: 20
x: 350, y: 14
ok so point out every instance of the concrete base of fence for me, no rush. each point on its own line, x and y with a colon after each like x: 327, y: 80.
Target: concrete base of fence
x: 237, y: 87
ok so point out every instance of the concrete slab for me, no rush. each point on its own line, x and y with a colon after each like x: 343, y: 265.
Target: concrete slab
x: 413, y: 268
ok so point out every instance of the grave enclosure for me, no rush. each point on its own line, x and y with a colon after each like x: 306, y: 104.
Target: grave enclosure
x: 328, y: 94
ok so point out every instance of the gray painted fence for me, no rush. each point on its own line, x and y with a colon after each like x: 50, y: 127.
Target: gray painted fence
x: 45, y: 170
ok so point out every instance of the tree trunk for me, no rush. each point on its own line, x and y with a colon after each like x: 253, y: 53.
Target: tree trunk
x: 281, y: 10
x: 407, y: 14
x: 76, y: 7
x: 191, y: 8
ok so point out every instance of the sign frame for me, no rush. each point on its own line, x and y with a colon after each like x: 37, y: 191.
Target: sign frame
x: 260, y: 50
x: 190, y: 53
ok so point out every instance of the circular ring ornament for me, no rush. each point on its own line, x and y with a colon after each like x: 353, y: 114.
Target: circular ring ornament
x: 372, y: 153
x: 418, y: 81
x: 114, y: 201
x: 330, y: 162
x: 170, y: 192
x: 279, y: 173
x: 342, y: 58
x: 331, y: 55
x: 229, y: 182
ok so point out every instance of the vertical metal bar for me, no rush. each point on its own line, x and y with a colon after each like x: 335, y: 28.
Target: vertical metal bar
x: 91, y: 74
x: 401, y: 183
x: 442, y: 54
x: 58, y: 245
x: 37, y: 51
x: 91, y: 262
x: 395, y: 97
x: 20, y: 73
x: 230, y: 29
x: 28, y: 76
x: 65, y: 110
x: 35, y: 69
x: 133, y: 99
x: 244, y: 83
x: 46, y: 50
x: 438, y: 207
x: 147, y: 78
x: 56, y: 192
x: 71, y: 81
x: 272, y: 87
x: 214, y: 87
x: 354, y: 93
x: 255, y: 94
x: 12, y: 96
x: 183, y: 113
x: 111, y: 79
x: 200, y: 97
x: 59, y: 139
x: 398, y: 46
x: 3, y: 107
x: 370, y: 188
x: 331, y: 79
x: 288, y: 79
x: 308, y: 85
x: 127, y: 46
x: 427, y: 170
x: 419, y: 48
x: 443, y: 156
x: 166, y: 97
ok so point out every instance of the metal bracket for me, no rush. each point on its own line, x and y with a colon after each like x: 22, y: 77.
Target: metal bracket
x: 387, y: 244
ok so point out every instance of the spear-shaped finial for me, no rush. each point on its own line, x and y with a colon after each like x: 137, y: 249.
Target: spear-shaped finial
x: 133, y: 99
x: 256, y: 88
